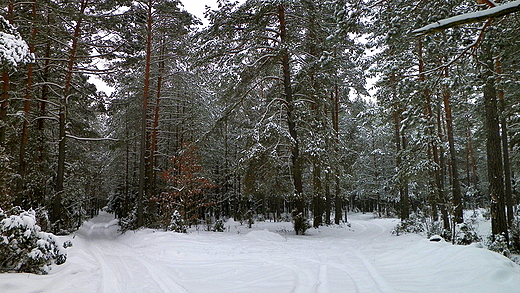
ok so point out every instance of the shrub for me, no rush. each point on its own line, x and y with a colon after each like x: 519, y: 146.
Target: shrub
x: 24, y: 247
x: 466, y: 234
x: 177, y: 223
x: 219, y: 226
x: 301, y: 224
x: 418, y: 223
x: 514, y: 232
x: 498, y: 243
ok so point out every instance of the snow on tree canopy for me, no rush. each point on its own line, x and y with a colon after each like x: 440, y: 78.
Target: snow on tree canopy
x: 13, y: 49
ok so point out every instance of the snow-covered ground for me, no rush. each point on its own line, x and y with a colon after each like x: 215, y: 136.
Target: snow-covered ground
x: 362, y: 258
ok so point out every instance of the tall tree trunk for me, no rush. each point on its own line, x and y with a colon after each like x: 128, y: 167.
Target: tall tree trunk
x: 22, y: 167
x: 399, y: 146
x: 62, y: 143
x: 493, y: 147
x: 291, y: 121
x: 442, y: 172
x: 505, y: 146
x: 455, y: 183
x: 317, y: 197
x: 144, y: 117
x: 43, y: 104
x: 432, y: 146
x: 4, y: 103
x: 4, y: 98
x: 338, y: 201
x: 154, y: 148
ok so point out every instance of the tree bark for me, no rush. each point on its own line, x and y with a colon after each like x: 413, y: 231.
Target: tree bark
x: 317, y: 197
x: 144, y: 117
x: 4, y: 98
x: 4, y: 103
x: 338, y: 200
x: 154, y: 147
x: 493, y: 147
x: 433, y: 151
x: 505, y: 147
x: 455, y: 183
x: 57, y: 213
x: 399, y: 146
x: 22, y: 167
x: 291, y: 119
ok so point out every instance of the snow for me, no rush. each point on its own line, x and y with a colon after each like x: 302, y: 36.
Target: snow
x: 362, y: 257
x: 13, y: 49
x: 478, y: 15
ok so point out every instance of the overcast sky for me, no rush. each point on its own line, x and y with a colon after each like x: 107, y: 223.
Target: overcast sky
x: 196, y: 7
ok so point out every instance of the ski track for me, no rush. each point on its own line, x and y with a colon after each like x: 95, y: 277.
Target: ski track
x: 104, y: 247
x: 309, y: 271
x: 362, y: 258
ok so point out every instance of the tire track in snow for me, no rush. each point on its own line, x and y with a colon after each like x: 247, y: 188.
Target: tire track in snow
x: 108, y: 278
x: 323, y: 275
x: 379, y: 280
x: 103, y: 244
x: 166, y: 283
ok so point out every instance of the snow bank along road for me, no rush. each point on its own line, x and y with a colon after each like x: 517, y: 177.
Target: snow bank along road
x: 364, y: 257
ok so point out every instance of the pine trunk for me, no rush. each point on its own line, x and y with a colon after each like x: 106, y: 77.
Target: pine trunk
x: 291, y: 120
x: 433, y: 152
x: 505, y: 147
x: 399, y: 146
x: 144, y: 118
x: 154, y: 148
x: 493, y: 148
x: 317, y: 197
x: 4, y: 103
x: 62, y: 142
x: 22, y: 167
x: 455, y: 183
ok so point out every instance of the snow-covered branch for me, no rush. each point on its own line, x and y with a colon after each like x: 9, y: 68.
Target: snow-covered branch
x: 472, y: 17
x: 90, y: 139
x: 13, y: 49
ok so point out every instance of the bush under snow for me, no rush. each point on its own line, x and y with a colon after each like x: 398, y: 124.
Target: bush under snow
x: 24, y: 247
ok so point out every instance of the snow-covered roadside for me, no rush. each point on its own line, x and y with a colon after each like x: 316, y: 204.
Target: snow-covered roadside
x: 362, y: 258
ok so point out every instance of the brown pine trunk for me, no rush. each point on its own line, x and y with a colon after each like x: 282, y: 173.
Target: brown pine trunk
x: 155, y: 130
x: 442, y: 172
x: 4, y: 98
x: 144, y: 115
x: 291, y: 119
x: 22, y: 168
x: 4, y: 103
x: 432, y: 147
x: 317, y: 197
x: 455, y: 183
x: 62, y: 143
x: 43, y: 105
x: 493, y: 148
x: 399, y: 146
x: 505, y: 147
x: 338, y: 201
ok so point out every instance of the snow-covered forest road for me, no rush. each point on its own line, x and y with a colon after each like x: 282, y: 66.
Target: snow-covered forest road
x: 364, y: 257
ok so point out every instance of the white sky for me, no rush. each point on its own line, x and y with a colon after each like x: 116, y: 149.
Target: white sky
x: 197, y: 7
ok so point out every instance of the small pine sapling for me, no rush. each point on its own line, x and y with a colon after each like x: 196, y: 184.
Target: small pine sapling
x: 24, y: 247
x: 177, y: 223
x: 219, y: 226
